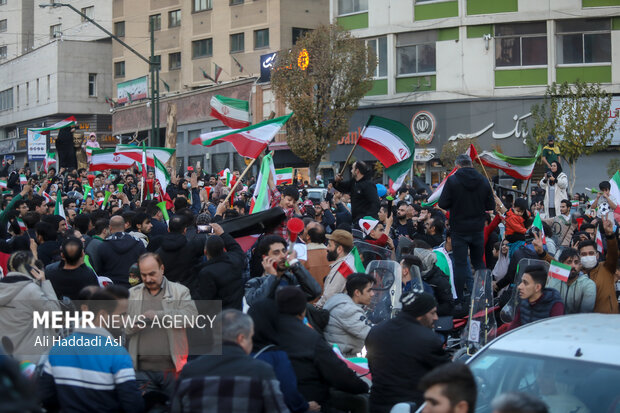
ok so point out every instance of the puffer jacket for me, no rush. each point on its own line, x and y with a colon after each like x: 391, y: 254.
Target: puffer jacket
x: 348, y: 325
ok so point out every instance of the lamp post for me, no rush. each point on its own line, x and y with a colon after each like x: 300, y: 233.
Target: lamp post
x: 153, y: 66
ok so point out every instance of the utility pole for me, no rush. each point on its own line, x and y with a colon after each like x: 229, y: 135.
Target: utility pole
x: 153, y: 66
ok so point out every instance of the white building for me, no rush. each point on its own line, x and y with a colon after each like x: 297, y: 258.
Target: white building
x: 16, y: 28
x: 475, y: 67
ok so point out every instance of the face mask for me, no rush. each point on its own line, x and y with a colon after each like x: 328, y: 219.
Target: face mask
x: 589, y: 262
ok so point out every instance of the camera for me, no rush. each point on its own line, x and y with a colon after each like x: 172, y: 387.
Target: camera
x: 549, y: 174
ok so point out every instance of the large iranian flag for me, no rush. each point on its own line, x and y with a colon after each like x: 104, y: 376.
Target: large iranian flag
x: 518, y: 167
x: 234, y: 113
x: 261, y: 199
x: 136, y: 152
x: 109, y: 159
x: 392, y: 144
x: 248, y: 142
x: 352, y: 263
x: 70, y: 121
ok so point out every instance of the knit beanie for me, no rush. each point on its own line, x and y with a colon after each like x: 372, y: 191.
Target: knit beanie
x: 418, y: 304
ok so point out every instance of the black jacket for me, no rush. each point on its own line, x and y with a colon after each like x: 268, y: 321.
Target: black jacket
x: 316, y: 366
x: 221, y: 278
x: 49, y: 252
x: 118, y: 253
x: 64, y: 148
x: 441, y: 290
x: 400, y: 352
x: 69, y: 283
x: 180, y: 257
x: 467, y: 195
x: 364, y: 198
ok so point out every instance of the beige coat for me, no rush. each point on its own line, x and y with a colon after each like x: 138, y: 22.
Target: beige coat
x: 176, y: 301
x: 561, y: 193
x: 335, y: 283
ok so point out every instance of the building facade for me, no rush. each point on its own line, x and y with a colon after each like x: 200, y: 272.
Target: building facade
x: 455, y: 69
x: 16, y: 28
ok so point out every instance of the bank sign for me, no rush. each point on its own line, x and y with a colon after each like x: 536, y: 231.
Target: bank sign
x: 266, y: 64
x: 37, y: 146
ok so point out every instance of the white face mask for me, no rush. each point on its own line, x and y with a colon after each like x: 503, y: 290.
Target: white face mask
x: 589, y: 262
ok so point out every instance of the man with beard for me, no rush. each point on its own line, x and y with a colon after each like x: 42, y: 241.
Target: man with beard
x: 403, y: 225
x: 579, y: 292
x: 338, y: 247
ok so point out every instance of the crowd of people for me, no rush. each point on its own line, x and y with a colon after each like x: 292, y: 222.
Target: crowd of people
x: 285, y: 300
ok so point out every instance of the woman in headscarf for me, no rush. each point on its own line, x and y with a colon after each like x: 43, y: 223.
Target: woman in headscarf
x: 265, y: 316
x: 554, y: 183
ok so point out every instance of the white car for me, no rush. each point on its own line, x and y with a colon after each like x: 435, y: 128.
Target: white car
x: 571, y: 362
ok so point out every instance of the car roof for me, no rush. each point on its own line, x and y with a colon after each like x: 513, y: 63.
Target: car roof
x: 587, y: 337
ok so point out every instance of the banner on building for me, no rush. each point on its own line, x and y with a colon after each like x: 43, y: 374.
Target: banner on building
x: 136, y: 89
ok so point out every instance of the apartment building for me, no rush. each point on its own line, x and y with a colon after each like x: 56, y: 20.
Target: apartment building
x: 197, y: 42
x: 455, y: 69
x: 16, y: 28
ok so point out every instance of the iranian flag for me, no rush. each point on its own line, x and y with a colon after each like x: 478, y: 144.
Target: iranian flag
x: 22, y: 225
x: 432, y: 200
x: 70, y: 121
x: 59, y: 209
x: 3, y: 184
x: 538, y: 224
x: 248, y: 142
x: 22, y: 179
x: 516, y: 166
x: 351, y: 264
x: 559, y: 271
x: 103, y: 159
x: 261, y: 199
x: 48, y: 198
x: 136, y: 152
x: 234, y: 113
x: 226, y: 176
x: 162, y: 175
x: 444, y: 262
x: 50, y: 161
x: 284, y: 176
x: 599, y: 241
x: 392, y: 144
x: 614, y: 193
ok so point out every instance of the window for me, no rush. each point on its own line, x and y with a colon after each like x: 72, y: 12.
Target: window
x: 583, y: 41
x: 174, y: 18
x: 202, y: 48
x: 157, y: 60
x: 6, y: 99
x: 55, y: 31
x: 379, y: 46
x: 522, y: 44
x: 234, y: 2
x: 352, y: 6
x: 196, y: 160
x: 236, y: 43
x: 261, y: 38
x: 3, y: 24
x: 200, y: 5
x: 155, y: 22
x: 89, y: 12
x: 119, y: 69
x: 3, y: 52
x: 415, y: 53
x: 219, y: 161
x: 92, y: 84
x: 2, y: 2
x: 174, y: 61
x: 119, y: 29
x: 298, y: 33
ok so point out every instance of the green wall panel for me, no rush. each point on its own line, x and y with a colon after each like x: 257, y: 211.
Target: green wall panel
x: 615, y: 23
x: 491, y: 6
x: 520, y: 77
x: 410, y: 84
x: 599, y: 3
x: 354, y: 21
x: 592, y: 74
x: 436, y: 10
x: 379, y: 87
x: 479, y: 31
x: 451, y: 33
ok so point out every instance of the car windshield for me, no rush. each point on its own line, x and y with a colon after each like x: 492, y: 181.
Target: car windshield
x: 565, y: 385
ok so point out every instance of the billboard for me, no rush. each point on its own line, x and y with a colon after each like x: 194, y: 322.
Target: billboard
x: 37, y: 145
x: 131, y: 90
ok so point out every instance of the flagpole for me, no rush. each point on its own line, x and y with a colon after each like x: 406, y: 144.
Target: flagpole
x: 349, y: 157
x: 485, y: 171
x: 232, y: 190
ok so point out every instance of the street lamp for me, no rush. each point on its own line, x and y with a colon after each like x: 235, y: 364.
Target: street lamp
x: 153, y: 66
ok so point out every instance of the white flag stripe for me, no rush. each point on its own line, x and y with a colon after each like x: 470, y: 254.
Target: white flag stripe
x: 386, y: 138
x: 230, y: 111
x: 521, y: 170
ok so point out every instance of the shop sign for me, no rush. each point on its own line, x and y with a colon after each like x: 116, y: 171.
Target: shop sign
x: 423, y: 126
x: 424, y: 154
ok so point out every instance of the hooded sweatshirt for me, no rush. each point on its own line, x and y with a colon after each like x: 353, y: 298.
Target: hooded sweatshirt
x: 467, y: 195
x: 20, y: 296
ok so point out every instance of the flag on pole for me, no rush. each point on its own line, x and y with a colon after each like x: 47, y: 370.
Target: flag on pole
x: 516, y: 166
x: 249, y: 142
x: 102, y: 159
x: 559, y: 271
x: 218, y: 72
x: 261, y: 199
x: 22, y: 179
x: 352, y: 263
x: 538, y: 224
x: 614, y: 193
x: 206, y: 75
x: 432, y: 200
x: 238, y: 64
x: 48, y: 198
x: 3, y: 184
x: 234, y: 113
x: 599, y: 241
x: 136, y: 152
x: 22, y: 225
x: 59, y: 209
x: 284, y: 176
x: 162, y: 175
x: 49, y: 161
x: 70, y: 121
x: 226, y: 175
x: 166, y: 85
x: 444, y: 262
